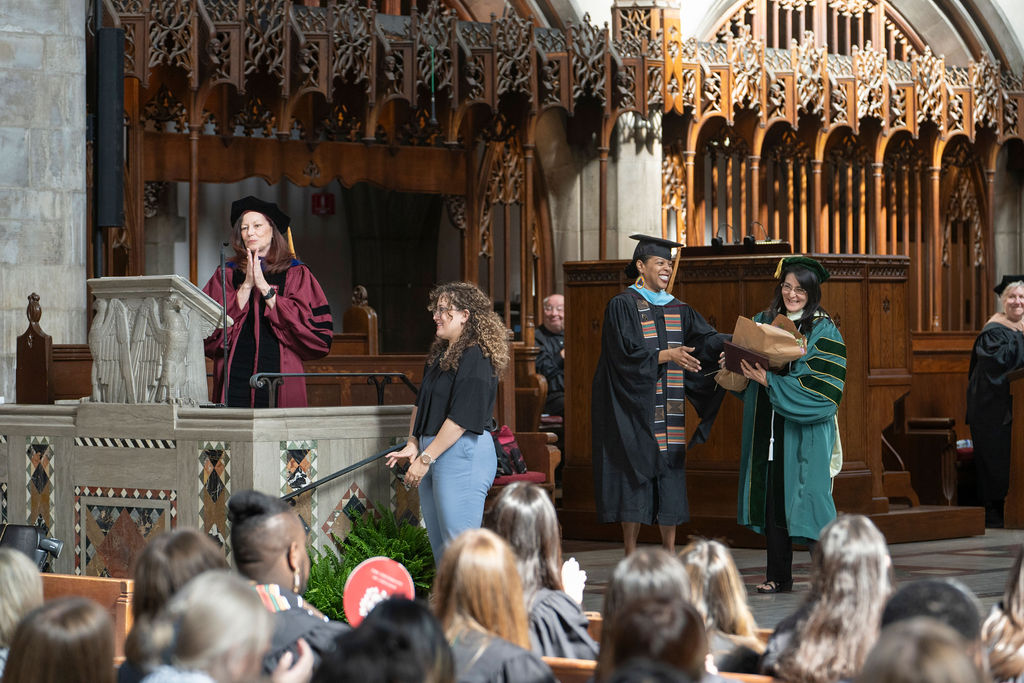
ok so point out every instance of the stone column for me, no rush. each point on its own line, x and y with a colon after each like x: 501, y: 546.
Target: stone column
x: 42, y: 172
x: 637, y: 179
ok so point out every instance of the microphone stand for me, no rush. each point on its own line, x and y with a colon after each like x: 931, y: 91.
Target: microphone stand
x: 224, y: 323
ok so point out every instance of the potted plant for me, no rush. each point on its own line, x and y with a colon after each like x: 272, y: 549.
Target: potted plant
x: 372, y: 535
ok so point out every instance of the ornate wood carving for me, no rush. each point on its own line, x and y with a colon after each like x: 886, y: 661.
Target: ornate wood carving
x: 869, y: 70
x: 930, y: 79
x: 588, y: 51
x: 513, y: 45
x: 746, y: 69
x: 810, y: 83
x: 985, y: 83
x: 265, y: 36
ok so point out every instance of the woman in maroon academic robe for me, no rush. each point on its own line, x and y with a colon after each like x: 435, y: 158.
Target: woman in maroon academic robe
x: 280, y: 313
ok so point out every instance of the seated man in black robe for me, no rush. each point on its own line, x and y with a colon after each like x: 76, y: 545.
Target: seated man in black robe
x: 550, y: 337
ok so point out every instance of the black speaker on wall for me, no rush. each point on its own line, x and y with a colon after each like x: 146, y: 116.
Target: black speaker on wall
x: 108, y: 168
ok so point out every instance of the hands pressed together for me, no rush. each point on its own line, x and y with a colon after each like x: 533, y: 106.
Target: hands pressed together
x: 253, y: 280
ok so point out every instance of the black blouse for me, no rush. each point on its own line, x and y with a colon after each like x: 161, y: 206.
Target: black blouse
x: 466, y: 395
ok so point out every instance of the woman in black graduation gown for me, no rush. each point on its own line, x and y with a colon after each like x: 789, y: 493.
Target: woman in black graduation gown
x: 997, y: 350
x: 648, y: 340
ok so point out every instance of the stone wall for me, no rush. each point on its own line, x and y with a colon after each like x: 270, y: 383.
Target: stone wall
x: 42, y: 171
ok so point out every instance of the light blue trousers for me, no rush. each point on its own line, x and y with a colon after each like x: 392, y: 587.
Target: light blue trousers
x: 453, y: 490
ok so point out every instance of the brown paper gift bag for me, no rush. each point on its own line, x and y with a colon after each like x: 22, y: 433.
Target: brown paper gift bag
x: 780, y: 342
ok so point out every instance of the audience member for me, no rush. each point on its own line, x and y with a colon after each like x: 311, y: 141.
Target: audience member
x: 165, y: 564
x: 829, y: 636
x: 524, y: 516
x: 919, y: 650
x: 21, y: 590
x: 269, y: 543
x: 216, y: 630
x: 647, y: 573
x: 1003, y: 630
x: 665, y: 630
x: 719, y: 596
x: 946, y: 600
x: 647, y: 671
x: 66, y: 640
x: 478, y: 598
x: 400, y: 641
x: 550, y: 337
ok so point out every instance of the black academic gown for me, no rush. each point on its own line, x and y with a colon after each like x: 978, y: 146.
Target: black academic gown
x: 997, y: 351
x: 633, y: 480
x: 558, y: 627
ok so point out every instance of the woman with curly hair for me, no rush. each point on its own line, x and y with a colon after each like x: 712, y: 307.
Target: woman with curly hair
x: 453, y: 413
x: 828, y: 638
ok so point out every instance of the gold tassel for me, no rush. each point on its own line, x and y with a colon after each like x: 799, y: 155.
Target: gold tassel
x: 291, y: 246
x: 778, y: 269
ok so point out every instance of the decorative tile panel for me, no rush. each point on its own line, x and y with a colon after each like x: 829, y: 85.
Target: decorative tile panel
x: 405, y: 502
x: 112, y: 525
x: 353, y: 502
x: 298, y: 468
x: 39, y: 475
x: 215, y: 488
x: 3, y: 502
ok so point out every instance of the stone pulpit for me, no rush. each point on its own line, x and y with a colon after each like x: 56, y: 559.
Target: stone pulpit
x: 147, y: 338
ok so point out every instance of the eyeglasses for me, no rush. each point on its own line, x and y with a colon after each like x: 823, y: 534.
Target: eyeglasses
x: 439, y: 310
x: 789, y: 289
x: 552, y: 309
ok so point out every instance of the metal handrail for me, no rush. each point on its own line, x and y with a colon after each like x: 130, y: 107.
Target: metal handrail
x: 273, y: 380
x: 341, y: 472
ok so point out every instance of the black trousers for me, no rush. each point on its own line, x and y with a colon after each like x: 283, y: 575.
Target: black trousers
x: 779, y: 544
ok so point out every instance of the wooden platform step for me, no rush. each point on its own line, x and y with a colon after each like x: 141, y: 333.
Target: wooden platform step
x: 900, y: 525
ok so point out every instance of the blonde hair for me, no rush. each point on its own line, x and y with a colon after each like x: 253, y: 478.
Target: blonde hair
x: 478, y: 588
x: 1003, y: 630
x: 218, y: 625
x: 21, y: 590
x: 718, y: 593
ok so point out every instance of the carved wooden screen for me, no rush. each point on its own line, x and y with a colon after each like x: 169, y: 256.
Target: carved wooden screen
x: 904, y: 180
x: 504, y: 263
x: 965, y: 281
x: 787, y: 184
x: 839, y: 24
x: 846, y: 179
x: 726, y: 207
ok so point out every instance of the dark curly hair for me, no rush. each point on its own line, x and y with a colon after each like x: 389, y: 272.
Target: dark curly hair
x: 484, y: 328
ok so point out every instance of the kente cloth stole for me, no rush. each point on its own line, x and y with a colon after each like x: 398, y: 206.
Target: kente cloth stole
x: 669, y: 408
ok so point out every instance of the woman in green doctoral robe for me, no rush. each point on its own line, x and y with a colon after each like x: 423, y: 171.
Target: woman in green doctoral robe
x: 790, y: 447
x: 997, y: 350
x: 652, y: 349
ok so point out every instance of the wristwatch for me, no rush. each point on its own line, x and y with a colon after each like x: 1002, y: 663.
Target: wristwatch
x: 426, y: 458
x: 271, y: 293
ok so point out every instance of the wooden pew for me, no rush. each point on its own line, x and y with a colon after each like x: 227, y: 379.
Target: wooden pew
x: 114, y: 595
x: 582, y: 670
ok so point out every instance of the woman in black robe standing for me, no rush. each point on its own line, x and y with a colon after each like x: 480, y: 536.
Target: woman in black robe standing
x: 648, y: 340
x: 997, y: 350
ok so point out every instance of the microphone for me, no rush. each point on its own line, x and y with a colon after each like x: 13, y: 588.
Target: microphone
x: 224, y: 322
x: 717, y: 241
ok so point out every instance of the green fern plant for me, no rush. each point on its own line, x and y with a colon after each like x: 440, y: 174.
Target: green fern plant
x: 370, y: 536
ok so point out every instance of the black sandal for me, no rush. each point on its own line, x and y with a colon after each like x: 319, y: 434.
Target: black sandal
x: 775, y: 587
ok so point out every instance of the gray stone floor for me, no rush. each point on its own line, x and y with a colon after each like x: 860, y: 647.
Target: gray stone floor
x: 981, y: 562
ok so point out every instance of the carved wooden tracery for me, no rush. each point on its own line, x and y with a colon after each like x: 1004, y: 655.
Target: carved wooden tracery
x: 243, y: 75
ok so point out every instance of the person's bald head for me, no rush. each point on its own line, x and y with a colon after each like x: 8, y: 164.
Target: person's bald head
x: 268, y: 540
